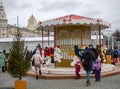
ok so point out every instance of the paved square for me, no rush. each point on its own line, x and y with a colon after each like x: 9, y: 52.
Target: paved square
x: 112, y: 82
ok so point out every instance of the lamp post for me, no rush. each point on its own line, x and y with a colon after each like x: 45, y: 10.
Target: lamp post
x: 108, y: 40
x: 99, y: 35
x: 99, y: 28
x: 118, y: 44
x: 112, y: 43
x: 109, y: 33
x: 42, y: 38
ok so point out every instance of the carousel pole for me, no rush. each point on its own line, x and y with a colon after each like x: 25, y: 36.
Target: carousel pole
x: 55, y: 63
x: 81, y: 36
x: 42, y: 38
x: 48, y: 37
x: 99, y: 35
x: 99, y: 28
x: 54, y: 35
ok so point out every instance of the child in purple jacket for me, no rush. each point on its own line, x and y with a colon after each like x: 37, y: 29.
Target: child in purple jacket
x: 97, y: 70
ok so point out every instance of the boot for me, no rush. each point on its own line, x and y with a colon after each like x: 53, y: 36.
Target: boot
x: 3, y: 69
x: 36, y: 76
x: 88, y: 83
x: 40, y: 73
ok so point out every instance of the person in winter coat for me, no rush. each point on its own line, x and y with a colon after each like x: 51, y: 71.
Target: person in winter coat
x: 94, y: 51
x: 76, y: 50
x: 87, y: 62
x: 2, y: 61
x: 115, y: 54
x: 37, y: 63
x: 97, y: 70
x: 95, y: 54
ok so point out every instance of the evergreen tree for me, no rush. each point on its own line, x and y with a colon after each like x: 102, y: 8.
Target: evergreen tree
x: 19, y: 60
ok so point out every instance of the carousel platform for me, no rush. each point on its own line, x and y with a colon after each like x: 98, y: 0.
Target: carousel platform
x: 50, y: 72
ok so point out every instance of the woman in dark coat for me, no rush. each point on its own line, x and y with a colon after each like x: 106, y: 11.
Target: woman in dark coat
x: 87, y: 61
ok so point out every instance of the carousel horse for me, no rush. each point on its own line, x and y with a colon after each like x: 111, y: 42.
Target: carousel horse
x: 48, y: 60
x: 43, y: 56
x: 103, y: 52
x: 57, y: 54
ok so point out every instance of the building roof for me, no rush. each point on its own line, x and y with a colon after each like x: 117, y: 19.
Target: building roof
x: 75, y: 20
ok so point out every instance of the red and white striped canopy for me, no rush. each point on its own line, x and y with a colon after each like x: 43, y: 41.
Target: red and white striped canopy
x: 74, y: 20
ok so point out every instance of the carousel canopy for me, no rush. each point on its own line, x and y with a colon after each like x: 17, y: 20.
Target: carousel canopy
x: 74, y: 20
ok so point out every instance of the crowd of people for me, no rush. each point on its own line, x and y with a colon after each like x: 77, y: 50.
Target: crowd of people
x: 44, y: 57
x: 89, y: 59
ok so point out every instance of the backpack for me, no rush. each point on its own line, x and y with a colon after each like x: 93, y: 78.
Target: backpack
x: 87, y: 58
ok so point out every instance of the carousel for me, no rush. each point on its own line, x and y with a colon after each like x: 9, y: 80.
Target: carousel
x: 69, y: 31
x: 72, y: 30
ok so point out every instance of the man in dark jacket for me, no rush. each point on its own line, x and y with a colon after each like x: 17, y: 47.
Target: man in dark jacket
x: 87, y: 61
x: 95, y: 54
x: 94, y: 51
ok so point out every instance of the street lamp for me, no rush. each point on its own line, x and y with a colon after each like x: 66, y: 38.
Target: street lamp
x: 108, y: 40
x: 112, y: 43
x: 109, y: 33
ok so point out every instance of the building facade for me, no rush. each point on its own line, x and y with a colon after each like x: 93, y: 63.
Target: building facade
x: 11, y: 30
x: 3, y: 22
x: 8, y: 31
x: 32, y: 22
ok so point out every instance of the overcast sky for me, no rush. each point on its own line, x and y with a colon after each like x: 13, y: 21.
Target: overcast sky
x: 107, y: 10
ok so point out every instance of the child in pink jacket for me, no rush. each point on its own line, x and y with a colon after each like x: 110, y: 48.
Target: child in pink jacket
x: 78, y: 66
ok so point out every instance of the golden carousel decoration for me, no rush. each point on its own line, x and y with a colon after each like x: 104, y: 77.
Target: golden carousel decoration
x: 71, y: 30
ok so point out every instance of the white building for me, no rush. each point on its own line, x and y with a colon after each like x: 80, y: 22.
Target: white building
x: 30, y: 42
